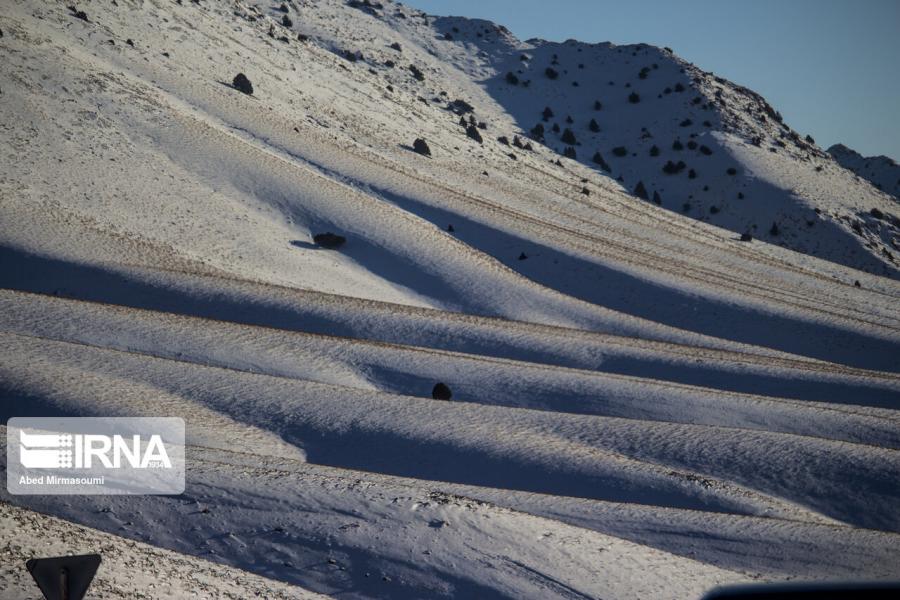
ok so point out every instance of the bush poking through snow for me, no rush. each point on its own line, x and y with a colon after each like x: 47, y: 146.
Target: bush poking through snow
x: 774, y: 230
x: 286, y: 21
x: 441, y: 391
x: 598, y: 159
x: 417, y: 73
x: 620, y: 151
x: 594, y: 126
x: 551, y: 73
x: 329, y: 240
x: 570, y: 153
x: 640, y: 191
x: 472, y: 132
x: 511, y: 78
x: 634, y: 97
x: 568, y: 137
x: 746, y: 237
x: 79, y: 14
x: 242, y: 84
x: 547, y: 114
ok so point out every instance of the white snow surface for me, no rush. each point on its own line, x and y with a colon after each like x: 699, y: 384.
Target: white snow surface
x: 643, y: 405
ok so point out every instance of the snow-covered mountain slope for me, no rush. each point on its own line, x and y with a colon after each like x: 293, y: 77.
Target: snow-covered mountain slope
x: 881, y: 171
x: 643, y: 405
x: 675, y: 135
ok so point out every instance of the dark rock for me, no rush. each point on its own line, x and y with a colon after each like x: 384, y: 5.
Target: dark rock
x: 421, y: 147
x: 472, y: 132
x: 441, y: 391
x: 746, y: 237
x: 329, y: 240
x: 242, y: 84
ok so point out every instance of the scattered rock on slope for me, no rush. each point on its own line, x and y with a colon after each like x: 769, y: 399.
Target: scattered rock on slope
x: 441, y: 391
x: 329, y: 240
x: 242, y: 84
x: 421, y: 147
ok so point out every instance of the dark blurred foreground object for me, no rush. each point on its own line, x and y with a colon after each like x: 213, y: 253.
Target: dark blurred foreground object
x: 64, y: 577
x: 807, y: 591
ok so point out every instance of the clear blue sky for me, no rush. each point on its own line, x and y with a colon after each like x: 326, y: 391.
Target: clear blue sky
x: 832, y: 67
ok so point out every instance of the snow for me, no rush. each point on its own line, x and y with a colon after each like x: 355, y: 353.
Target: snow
x: 643, y: 407
x: 881, y: 171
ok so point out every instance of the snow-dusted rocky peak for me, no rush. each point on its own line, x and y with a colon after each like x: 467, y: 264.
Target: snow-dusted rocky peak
x: 673, y: 134
x: 881, y: 171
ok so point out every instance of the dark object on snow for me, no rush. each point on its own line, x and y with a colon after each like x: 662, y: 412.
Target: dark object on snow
x: 598, y: 105
x: 551, y: 73
x: 503, y: 140
x: 570, y: 153
x: 329, y: 240
x: 677, y: 145
x: 876, y: 213
x: 806, y: 591
x: 640, y: 191
x: 441, y: 391
x: 242, y: 84
x: 130, y: 42
x: 594, y: 126
x: 585, y: 191
x: 620, y: 151
x: 64, y: 577
x: 450, y: 228
x: 654, y: 150
x: 857, y: 284
x: 746, y: 237
x: 460, y: 107
x: 396, y: 46
x: 472, y: 132
x: 417, y: 73
x: 598, y: 159
x: 657, y: 199
x: 511, y: 78
x: 283, y: 8
x: 671, y: 168
x: 731, y: 171
x: 634, y: 98
x: 523, y: 256
x: 286, y: 21
x: 537, y: 132
x: 774, y: 231
x: 421, y: 147
x: 568, y: 137
x: 705, y: 150
x: 547, y: 114
x: 79, y: 14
